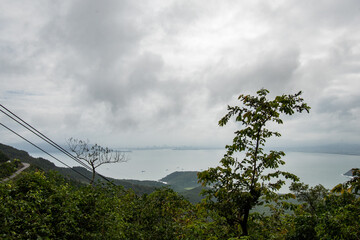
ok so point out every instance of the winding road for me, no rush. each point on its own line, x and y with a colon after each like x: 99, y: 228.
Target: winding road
x: 25, y: 166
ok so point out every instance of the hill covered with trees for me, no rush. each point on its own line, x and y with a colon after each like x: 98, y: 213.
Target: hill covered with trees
x: 45, y: 205
x: 140, y: 187
x: 41, y: 204
x: 182, y: 182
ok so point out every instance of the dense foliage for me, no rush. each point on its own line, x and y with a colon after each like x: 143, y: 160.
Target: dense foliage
x: 44, y: 205
x: 40, y: 205
x: 325, y: 215
x: 37, y: 206
x: 9, y: 167
x: 237, y: 185
x: 3, y: 157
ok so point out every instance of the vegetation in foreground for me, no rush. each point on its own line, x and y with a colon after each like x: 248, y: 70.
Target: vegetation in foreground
x: 43, y: 205
x: 238, y: 185
x: 39, y: 205
x: 8, y: 167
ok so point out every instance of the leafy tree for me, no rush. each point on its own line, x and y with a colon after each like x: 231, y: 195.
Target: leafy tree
x: 311, y: 201
x: 339, y: 219
x: 163, y: 214
x: 3, y: 157
x: 95, y: 155
x: 44, y: 206
x: 336, y: 216
x: 273, y: 225
x: 325, y: 215
x: 9, y: 167
x: 27, y: 205
x: 311, y: 197
x: 353, y: 185
x: 237, y: 185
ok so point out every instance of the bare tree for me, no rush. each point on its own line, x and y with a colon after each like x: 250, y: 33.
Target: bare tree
x: 95, y: 155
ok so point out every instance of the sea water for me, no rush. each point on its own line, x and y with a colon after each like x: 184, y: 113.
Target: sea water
x: 312, y: 168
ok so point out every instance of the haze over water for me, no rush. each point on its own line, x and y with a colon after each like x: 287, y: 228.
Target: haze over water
x: 312, y: 168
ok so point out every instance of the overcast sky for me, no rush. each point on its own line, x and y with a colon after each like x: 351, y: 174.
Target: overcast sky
x: 161, y: 72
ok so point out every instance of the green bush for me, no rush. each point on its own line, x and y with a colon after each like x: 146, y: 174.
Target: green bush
x: 7, y: 169
x: 3, y: 157
x: 39, y: 206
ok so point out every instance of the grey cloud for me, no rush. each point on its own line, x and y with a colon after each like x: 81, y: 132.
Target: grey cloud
x: 345, y: 107
x: 101, y: 53
x: 338, y: 66
x: 110, y: 65
x: 120, y: 88
x: 13, y: 59
x: 275, y: 69
x: 94, y: 38
x: 10, y: 67
x: 272, y: 69
x: 114, y: 63
x: 144, y: 74
x: 179, y: 15
x: 330, y: 13
x: 129, y: 93
x: 99, y: 31
x: 309, y: 16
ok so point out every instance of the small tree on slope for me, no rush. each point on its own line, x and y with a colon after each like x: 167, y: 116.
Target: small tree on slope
x: 236, y: 186
x: 95, y: 155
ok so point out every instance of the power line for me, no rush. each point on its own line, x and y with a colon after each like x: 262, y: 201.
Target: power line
x: 49, y: 141
x: 37, y: 133
x: 46, y: 139
x: 44, y: 151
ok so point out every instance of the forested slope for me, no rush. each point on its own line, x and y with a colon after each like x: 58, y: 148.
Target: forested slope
x: 140, y: 187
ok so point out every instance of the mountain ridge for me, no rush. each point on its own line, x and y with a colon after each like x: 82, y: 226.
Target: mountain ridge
x: 178, y: 181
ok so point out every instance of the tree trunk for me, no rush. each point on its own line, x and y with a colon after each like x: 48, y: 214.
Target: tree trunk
x: 93, y: 175
x: 244, y: 222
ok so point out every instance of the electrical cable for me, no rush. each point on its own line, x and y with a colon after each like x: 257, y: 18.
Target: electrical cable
x: 48, y: 140
x: 52, y: 143
x: 44, y: 151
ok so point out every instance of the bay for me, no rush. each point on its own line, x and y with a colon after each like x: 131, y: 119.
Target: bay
x: 312, y: 168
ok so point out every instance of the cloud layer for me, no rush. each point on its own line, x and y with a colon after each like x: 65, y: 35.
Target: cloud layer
x: 127, y: 73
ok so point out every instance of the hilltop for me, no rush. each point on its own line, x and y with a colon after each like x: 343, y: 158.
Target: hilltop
x: 185, y: 183
x: 182, y: 182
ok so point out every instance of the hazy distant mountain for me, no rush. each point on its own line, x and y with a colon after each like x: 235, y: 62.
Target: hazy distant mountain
x: 139, y: 187
x: 183, y: 182
x: 346, y: 149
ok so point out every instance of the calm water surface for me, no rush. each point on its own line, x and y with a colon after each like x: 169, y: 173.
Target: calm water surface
x: 312, y: 168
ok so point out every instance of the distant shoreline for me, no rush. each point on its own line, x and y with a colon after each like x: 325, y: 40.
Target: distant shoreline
x: 323, y: 152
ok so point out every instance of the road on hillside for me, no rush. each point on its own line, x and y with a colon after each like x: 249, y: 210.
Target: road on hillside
x: 25, y: 166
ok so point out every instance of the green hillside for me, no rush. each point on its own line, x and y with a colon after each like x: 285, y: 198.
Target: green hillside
x: 183, y: 182
x: 3, y: 157
x: 193, y: 195
x: 139, y: 187
x: 7, y: 166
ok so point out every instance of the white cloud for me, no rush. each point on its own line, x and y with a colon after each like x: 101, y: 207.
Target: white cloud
x: 126, y: 73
